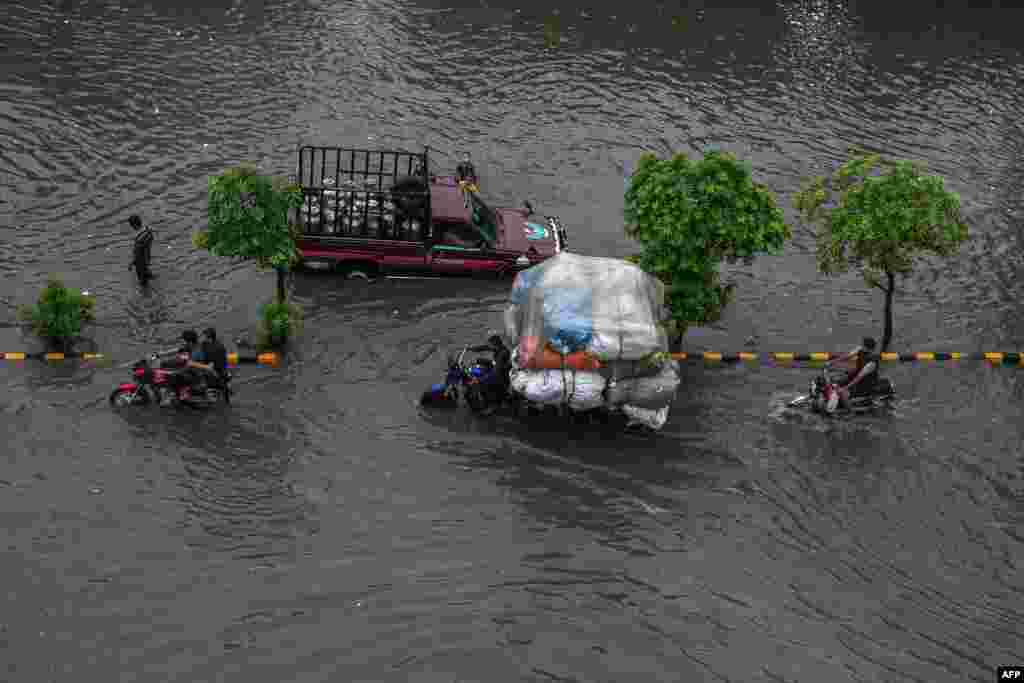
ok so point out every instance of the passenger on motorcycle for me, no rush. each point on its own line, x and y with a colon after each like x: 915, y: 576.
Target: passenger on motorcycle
x: 193, y: 363
x: 862, y: 380
x: 215, y: 356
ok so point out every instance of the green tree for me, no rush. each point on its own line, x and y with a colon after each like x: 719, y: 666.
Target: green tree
x: 880, y: 216
x: 690, y: 216
x: 59, y: 314
x: 250, y: 218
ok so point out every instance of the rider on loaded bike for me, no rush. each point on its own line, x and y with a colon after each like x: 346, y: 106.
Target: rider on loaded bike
x: 502, y: 364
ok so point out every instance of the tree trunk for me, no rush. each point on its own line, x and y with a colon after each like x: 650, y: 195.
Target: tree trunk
x: 887, y: 334
x: 282, y: 295
x: 675, y: 338
x: 676, y: 342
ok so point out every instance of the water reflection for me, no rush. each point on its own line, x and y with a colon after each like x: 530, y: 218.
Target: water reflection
x: 821, y: 35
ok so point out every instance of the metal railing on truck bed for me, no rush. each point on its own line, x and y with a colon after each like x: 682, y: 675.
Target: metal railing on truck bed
x: 358, y: 193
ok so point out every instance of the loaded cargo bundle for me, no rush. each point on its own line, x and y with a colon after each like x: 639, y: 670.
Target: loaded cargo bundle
x: 586, y: 324
x: 606, y: 307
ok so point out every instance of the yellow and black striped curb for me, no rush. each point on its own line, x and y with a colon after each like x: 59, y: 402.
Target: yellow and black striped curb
x: 233, y: 358
x: 1016, y: 357
x: 991, y: 356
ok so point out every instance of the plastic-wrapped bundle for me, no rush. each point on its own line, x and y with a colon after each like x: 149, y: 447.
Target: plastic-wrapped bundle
x: 606, y: 306
x: 533, y: 355
x: 645, y: 392
x: 652, y: 419
x: 580, y: 390
x: 560, y: 316
x: 629, y: 369
x: 512, y: 317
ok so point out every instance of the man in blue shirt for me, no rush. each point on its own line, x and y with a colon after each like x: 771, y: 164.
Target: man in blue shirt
x: 196, y: 369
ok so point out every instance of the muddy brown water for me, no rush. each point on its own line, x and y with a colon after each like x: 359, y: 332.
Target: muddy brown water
x: 325, y: 528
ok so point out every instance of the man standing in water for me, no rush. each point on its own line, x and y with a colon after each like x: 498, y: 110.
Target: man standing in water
x: 142, y: 248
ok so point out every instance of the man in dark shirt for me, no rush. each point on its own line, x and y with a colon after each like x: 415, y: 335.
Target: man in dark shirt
x: 502, y: 363
x: 862, y: 380
x: 142, y: 249
x: 215, y: 355
x: 465, y: 171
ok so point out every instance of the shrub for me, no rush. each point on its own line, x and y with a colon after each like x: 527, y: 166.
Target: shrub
x: 279, y: 322
x: 59, y: 314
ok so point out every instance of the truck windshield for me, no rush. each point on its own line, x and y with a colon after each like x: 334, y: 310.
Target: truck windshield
x: 484, y: 218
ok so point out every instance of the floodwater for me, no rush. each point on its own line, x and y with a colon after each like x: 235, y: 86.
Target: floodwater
x: 324, y: 528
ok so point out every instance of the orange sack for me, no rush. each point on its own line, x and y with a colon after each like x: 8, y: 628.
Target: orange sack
x: 534, y: 357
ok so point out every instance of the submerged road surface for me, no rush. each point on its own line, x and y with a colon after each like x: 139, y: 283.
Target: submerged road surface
x: 324, y: 528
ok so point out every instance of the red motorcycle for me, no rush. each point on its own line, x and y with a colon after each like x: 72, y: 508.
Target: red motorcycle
x: 158, y: 385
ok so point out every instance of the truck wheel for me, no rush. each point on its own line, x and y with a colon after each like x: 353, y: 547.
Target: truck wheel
x: 361, y: 271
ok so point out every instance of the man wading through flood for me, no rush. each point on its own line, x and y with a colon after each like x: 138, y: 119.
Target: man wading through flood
x: 142, y: 249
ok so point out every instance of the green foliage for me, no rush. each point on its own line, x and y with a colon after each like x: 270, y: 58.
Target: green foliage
x: 249, y: 218
x: 880, y: 223
x: 60, y: 313
x: 691, y: 215
x: 880, y: 216
x: 279, y: 323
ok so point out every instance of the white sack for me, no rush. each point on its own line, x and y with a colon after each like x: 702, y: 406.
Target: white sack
x: 581, y: 390
x: 652, y: 419
x: 646, y: 392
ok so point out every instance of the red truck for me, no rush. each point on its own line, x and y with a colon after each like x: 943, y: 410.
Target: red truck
x: 377, y: 212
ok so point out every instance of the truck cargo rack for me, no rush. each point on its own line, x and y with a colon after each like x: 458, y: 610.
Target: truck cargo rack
x: 364, y: 194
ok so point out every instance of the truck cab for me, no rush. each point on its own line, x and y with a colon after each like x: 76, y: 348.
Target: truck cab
x: 378, y: 212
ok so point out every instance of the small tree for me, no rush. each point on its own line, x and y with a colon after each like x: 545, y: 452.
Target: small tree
x: 249, y: 218
x: 880, y: 223
x: 691, y: 215
x: 59, y: 314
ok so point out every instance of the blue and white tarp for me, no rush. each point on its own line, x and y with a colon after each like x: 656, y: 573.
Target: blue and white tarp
x: 606, y: 306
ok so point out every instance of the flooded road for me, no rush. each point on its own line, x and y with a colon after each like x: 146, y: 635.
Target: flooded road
x: 325, y: 528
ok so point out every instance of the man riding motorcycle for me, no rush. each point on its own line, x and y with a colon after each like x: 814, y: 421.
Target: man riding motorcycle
x: 196, y: 371
x: 502, y: 365
x: 863, y: 379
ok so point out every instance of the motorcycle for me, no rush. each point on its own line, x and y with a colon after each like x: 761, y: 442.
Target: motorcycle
x: 478, y: 380
x: 156, y: 385
x: 824, y: 396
